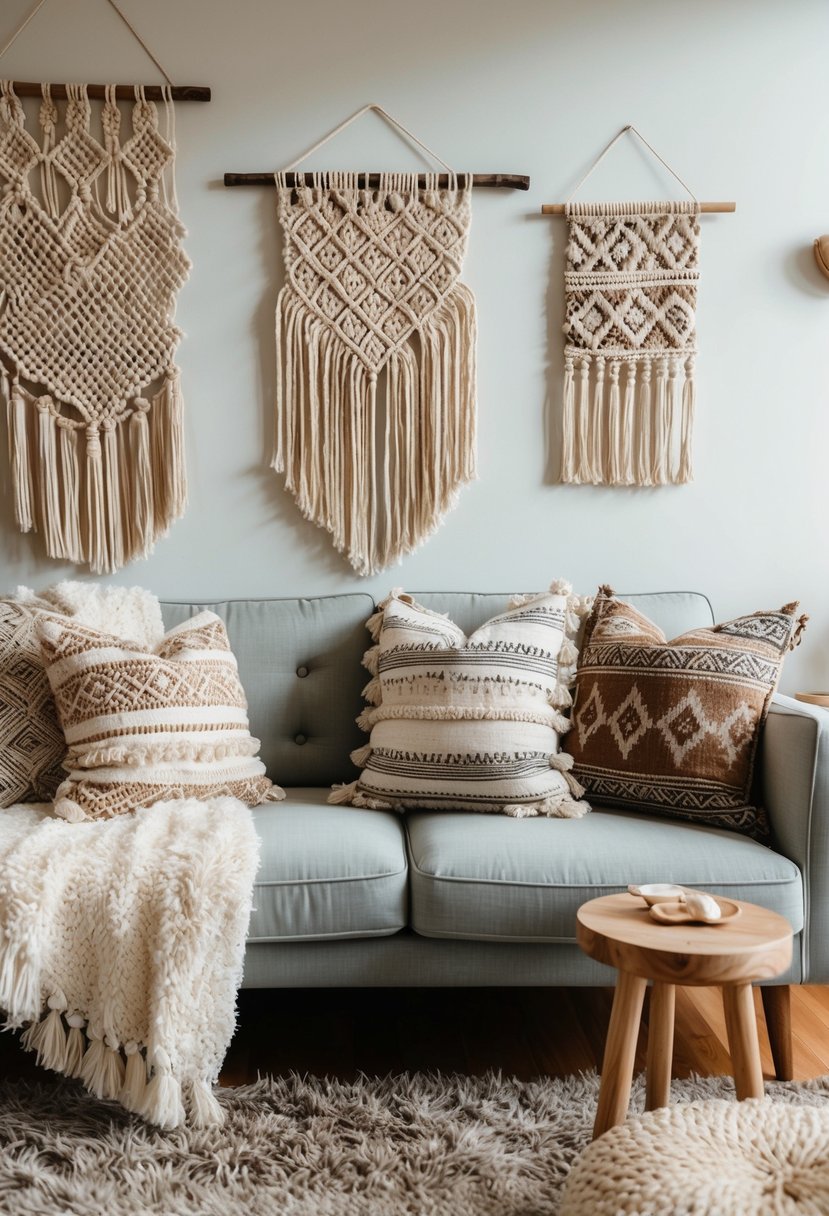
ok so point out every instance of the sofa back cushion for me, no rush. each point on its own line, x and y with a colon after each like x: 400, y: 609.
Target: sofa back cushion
x: 300, y: 662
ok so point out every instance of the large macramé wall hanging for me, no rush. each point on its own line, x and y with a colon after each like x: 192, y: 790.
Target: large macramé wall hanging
x: 375, y: 338
x: 90, y: 265
x: 630, y: 286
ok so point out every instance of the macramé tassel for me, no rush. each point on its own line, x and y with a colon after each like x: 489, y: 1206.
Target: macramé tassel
x: 162, y: 1100
x: 360, y: 755
x: 645, y: 471
x: 96, y: 545
x: 583, y: 471
x: 205, y: 1110
x: 70, y: 490
x: 134, y: 1092
x: 19, y: 458
x: 661, y: 419
x: 112, y: 483
x: 568, y: 423
x: 686, y: 464
x: 169, y: 471
x: 627, y: 425
x: 597, y: 426
x: 614, y: 426
x: 49, y: 479
x: 141, y: 495
x: 75, y: 1045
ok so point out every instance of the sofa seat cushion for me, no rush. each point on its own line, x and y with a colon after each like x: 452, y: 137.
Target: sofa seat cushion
x: 490, y: 878
x: 327, y: 871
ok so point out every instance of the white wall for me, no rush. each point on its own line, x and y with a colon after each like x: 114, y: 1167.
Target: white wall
x: 735, y: 95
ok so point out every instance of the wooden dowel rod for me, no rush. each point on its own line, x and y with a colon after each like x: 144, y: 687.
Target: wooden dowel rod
x: 124, y: 92
x: 706, y: 208
x: 504, y: 181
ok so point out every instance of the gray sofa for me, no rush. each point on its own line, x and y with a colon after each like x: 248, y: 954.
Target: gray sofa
x: 349, y: 897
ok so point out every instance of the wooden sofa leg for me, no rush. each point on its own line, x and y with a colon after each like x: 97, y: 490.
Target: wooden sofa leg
x: 777, y: 1007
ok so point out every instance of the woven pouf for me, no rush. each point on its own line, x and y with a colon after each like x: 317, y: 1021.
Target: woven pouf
x: 712, y: 1158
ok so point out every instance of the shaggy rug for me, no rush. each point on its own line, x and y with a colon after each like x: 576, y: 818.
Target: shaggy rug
x: 304, y: 1146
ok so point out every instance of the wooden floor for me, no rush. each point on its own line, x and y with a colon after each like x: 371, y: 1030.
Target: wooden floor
x: 522, y: 1031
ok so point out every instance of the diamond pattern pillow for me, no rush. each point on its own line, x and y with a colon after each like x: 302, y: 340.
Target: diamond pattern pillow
x: 142, y: 726
x: 673, y: 727
x: 32, y: 746
x: 471, y: 723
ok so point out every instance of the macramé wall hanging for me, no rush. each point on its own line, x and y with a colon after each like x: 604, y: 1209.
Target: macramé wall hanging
x: 630, y: 286
x: 90, y: 266
x: 375, y: 337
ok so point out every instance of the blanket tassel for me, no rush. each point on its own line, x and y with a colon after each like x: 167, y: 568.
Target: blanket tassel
x: 102, y: 1069
x: 134, y: 1093
x: 162, y: 1103
x: 75, y: 1047
x: 205, y: 1111
x: 48, y: 1040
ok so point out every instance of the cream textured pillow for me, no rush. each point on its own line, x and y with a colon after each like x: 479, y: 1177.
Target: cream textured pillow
x: 32, y: 746
x: 471, y: 723
x: 142, y: 726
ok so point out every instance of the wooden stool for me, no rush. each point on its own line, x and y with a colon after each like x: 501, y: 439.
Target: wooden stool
x: 757, y: 945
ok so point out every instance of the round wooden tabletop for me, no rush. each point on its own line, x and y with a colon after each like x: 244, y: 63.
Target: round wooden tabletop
x: 619, y: 930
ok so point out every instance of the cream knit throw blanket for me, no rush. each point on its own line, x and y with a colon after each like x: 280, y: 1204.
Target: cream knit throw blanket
x: 122, y: 947
x: 630, y: 303
x: 122, y: 940
x: 90, y: 266
x: 375, y: 339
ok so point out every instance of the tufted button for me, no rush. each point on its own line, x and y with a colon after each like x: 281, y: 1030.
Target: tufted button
x: 300, y: 739
x: 302, y: 672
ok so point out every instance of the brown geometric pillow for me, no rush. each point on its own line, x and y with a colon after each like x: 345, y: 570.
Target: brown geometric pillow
x: 143, y: 726
x: 32, y: 745
x: 673, y: 727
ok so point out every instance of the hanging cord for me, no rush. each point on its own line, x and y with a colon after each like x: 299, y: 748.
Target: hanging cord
x: 347, y: 123
x: 604, y: 152
x: 112, y: 4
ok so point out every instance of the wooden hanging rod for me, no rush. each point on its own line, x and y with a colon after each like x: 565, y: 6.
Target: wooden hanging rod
x: 503, y: 181
x: 124, y: 92
x: 705, y: 208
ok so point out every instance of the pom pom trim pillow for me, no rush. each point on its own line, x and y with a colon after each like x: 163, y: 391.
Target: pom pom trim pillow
x: 146, y: 726
x: 473, y: 723
x: 673, y: 727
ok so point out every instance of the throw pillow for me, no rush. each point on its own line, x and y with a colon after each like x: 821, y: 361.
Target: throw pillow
x: 470, y: 723
x: 144, y: 726
x: 32, y: 746
x: 673, y: 727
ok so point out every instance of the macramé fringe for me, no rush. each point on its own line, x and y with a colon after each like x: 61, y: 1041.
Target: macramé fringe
x: 627, y: 420
x: 376, y: 460
x: 98, y: 494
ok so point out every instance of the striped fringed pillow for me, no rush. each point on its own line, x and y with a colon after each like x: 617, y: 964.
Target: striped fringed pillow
x: 142, y: 727
x: 471, y: 723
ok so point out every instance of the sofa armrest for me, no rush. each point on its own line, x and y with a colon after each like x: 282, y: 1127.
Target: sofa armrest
x: 795, y: 774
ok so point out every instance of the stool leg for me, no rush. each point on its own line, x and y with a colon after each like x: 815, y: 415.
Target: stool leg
x: 741, y: 1024
x: 777, y: 1007
x: 660, y: 1045
x: 619, y: 1052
